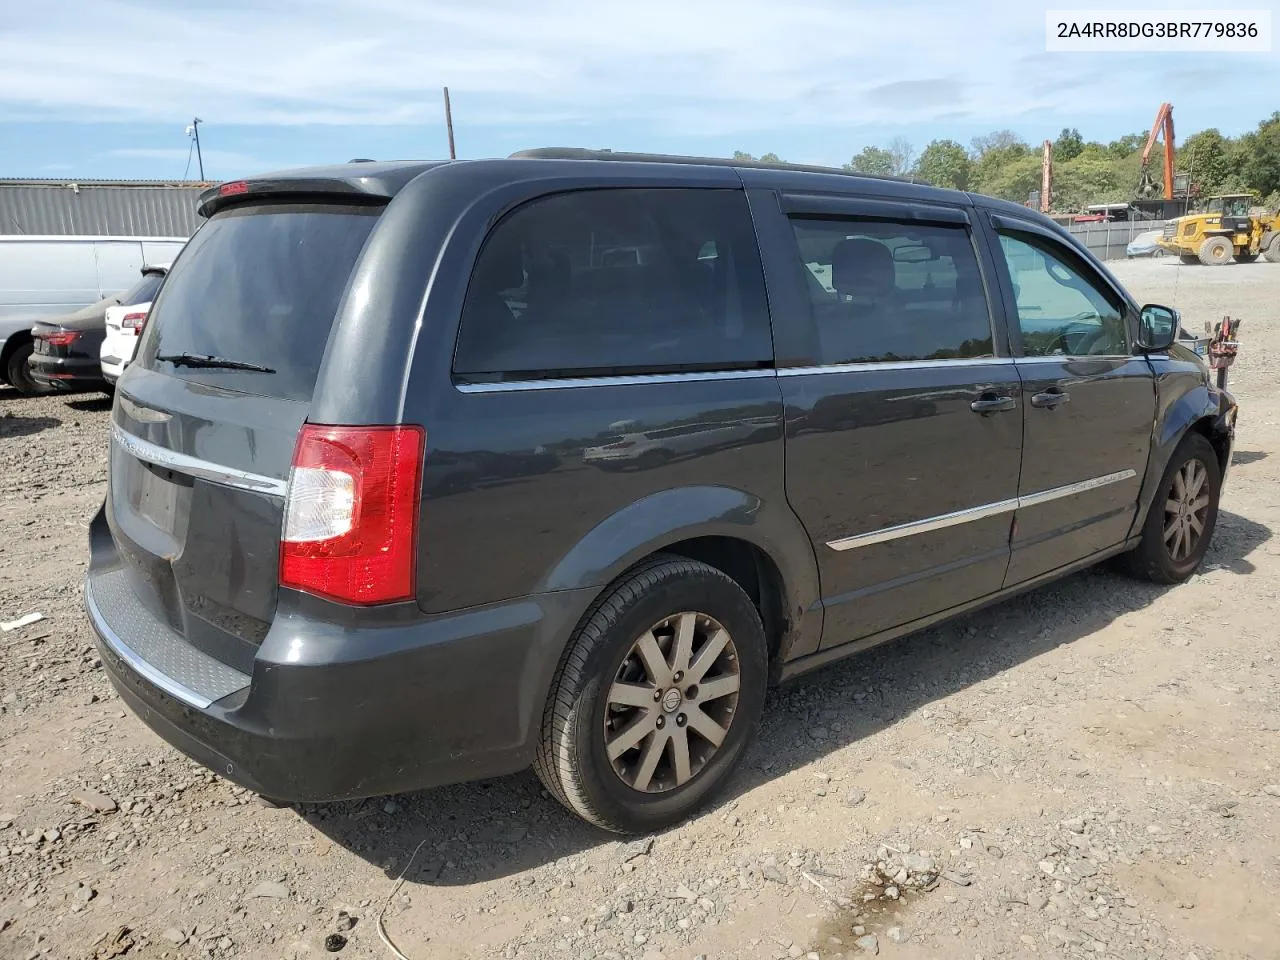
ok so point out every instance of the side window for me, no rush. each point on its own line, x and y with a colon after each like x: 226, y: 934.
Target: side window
x: 1060, y: 312
x: 890, y: 291
x: 617, y: 281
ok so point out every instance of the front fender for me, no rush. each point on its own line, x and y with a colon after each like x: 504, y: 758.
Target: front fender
x: 1184, y: 398
x: 669, y: 516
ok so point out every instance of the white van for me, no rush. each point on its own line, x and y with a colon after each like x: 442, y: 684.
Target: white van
x: 42, y: 277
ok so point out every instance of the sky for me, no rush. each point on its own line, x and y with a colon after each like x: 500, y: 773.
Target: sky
x: 106, y: 88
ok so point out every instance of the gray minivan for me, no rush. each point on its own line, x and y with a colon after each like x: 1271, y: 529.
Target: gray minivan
x: 45, y: 276
x: 365, y: 528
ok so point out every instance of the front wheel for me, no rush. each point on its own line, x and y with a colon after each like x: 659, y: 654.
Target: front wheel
x: 656, y: 697
x: 1182, y: 516
x: 1216, y: 251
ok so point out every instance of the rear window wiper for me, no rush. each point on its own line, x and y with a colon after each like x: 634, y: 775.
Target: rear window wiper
x: 210, y: 362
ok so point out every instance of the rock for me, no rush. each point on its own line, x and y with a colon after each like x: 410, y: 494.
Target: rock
x: 1017, y: 731
x: 344, y: 921
x: 892, y: 892
x: 96, y: 802
x: 959, y: 879
x: 1272, y: 790
x: 1154, y: 829
x: 869, y: 944
x: 895, y: 934
x: 175, y: 936
x: 49, y: 836
x: 218, y: 849
x: 684, y: 893
x: 854, y: 796
x: 636, y: 848
x: 994, y: 852
x: 795, y: 951
x: 770, y: 872
x: 85, y: 893
x: 391, y: 807
x: 334, y: 942
x: 1075, y: 824
x: 269, y: 889
x: 1047, y: 867
x: 917, y: 863
x: 225, y: 943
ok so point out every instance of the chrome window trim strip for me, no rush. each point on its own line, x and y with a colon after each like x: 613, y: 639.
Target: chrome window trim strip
x: 945, y: 520
x: 894, y: 365
x: 1077, y: 358
x: 137, y: 664
x: 213, y: 472
x: 570, y: 383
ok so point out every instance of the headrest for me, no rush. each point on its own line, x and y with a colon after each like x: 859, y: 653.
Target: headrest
x: 862, y: 268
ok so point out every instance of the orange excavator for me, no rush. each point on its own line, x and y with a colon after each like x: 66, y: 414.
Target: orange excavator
x: 1164, y: 123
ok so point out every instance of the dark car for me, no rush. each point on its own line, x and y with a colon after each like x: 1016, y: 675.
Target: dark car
x: 306, y: 576
x: 66, y: 349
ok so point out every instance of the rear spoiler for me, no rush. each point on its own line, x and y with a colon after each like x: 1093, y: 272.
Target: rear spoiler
x: 292, y: 188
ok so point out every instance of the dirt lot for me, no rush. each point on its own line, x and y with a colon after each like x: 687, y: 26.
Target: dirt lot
x: 1090, y: 770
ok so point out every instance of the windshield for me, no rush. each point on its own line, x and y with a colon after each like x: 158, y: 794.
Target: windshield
x: 260, y: 286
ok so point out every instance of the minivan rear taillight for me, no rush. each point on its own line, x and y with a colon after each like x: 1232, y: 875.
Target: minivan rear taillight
x: 134, y: 322
x: 351, y: 513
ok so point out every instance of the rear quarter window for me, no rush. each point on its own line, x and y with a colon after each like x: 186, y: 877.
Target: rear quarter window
x: 258, y: 285
x: 616, y: 281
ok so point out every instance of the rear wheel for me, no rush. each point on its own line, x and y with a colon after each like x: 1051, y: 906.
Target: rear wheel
x: 19, y: 374
x: 1216, y: 251
x: 1181, y: 518
x: 656, y: 697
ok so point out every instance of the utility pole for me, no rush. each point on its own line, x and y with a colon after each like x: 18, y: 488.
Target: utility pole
x: 448, y: 122
x: 195, y: 130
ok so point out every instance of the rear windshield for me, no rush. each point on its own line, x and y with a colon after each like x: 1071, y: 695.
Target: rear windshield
x: 144, y: 291
x: 258, y: 285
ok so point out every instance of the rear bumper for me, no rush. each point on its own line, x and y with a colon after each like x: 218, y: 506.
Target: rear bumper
x: 332, y: 711
x: 65, y: 373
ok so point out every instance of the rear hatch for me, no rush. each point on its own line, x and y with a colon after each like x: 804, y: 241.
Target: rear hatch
x: 204, y: 428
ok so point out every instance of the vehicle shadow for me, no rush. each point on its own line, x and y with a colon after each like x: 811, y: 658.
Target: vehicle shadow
x: 493, y: 829
x: 1239, y: 457
x: 93, y: 403
x: 11, y: 426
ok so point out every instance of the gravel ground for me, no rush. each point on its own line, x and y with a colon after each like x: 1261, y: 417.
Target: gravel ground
x: 1090, y: 770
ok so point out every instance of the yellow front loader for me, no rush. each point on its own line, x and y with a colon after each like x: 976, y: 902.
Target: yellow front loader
x: 1225, y: 231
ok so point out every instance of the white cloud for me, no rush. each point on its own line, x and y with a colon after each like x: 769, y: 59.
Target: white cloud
x: 683, y: 66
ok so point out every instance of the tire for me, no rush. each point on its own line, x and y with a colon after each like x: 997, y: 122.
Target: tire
x: 1157, y: 253
x: 1216, y: 251
x: 1272, y: 252
x: 1153, y: 559
x: 1188, y: 258
x: 19, y: 374
x: 1246, y: 257
x: 651, y: 603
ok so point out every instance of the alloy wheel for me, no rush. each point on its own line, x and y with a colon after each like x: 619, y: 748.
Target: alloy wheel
x: 671, y: 703
x: 1186, y: 510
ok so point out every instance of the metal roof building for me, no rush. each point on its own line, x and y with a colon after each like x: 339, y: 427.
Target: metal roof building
x: 100, y: 208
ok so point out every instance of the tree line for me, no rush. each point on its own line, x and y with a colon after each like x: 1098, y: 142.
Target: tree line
x: 1002, y: 164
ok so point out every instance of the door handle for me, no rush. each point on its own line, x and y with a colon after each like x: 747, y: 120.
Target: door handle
x: 1050, y: 399
x: 990, y: 405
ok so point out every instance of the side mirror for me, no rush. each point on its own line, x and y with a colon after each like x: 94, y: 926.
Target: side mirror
x: 1159, y: 327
